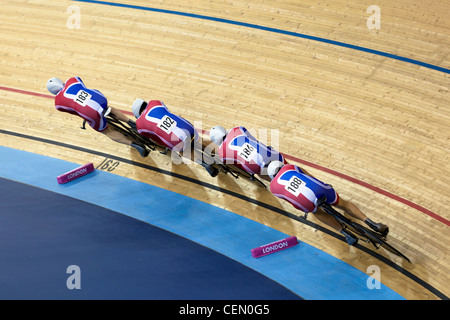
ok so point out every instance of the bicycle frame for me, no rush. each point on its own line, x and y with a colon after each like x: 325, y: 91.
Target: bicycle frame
x: 363, y: 233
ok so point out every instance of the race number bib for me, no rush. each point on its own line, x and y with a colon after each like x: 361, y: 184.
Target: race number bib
x: 82, y: 98
x: 247, y: 152
x: 295, y: 186
x: 167, y: 124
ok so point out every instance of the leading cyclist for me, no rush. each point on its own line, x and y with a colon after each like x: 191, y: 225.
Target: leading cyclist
x: 75, y: 98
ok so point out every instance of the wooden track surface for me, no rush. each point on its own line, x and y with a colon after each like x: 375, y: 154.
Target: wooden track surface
x: 376, y: 119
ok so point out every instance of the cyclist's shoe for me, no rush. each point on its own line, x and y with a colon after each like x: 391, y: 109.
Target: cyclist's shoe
x: 213, y: 171
x: 378, y: 227
x: 350, y: 237
x: 141, y: 149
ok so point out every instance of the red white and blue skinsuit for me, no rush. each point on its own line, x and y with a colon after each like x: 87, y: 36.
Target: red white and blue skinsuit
x: 301, y: 190
x: 241, y: 149
x: 89, y: 104
x: 165, y: 128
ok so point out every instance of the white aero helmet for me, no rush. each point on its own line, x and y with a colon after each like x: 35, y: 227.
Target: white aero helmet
x: 137, y: 107
x: 216, y: 134
x: 54, y: 85
x: 273, y: 168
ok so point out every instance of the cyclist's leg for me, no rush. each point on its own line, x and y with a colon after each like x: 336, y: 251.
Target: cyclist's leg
x: 355, y: 212
x: 193, y: 150
x: 327, y: 219
x: 199, y: 156
x: 265, y: 177
x: 316, y: 190
x: 331, y: 221
x: 117, y: 136
x: 350, y: 208
x: 119, y: 115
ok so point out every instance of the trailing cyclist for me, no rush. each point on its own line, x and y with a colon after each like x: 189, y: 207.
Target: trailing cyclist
x: 302, y: 190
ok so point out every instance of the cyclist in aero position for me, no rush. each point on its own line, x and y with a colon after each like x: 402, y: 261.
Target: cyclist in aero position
x: 302, y: 190
x: 154, y: 121
x: 239, y: 148
x: 91, y: 105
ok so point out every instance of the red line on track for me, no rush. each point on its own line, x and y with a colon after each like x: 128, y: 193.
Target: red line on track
x: 304, y: 162
x: 27, y: 92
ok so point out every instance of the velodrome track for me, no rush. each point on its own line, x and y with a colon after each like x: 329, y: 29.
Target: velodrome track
x: 364, y: 110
